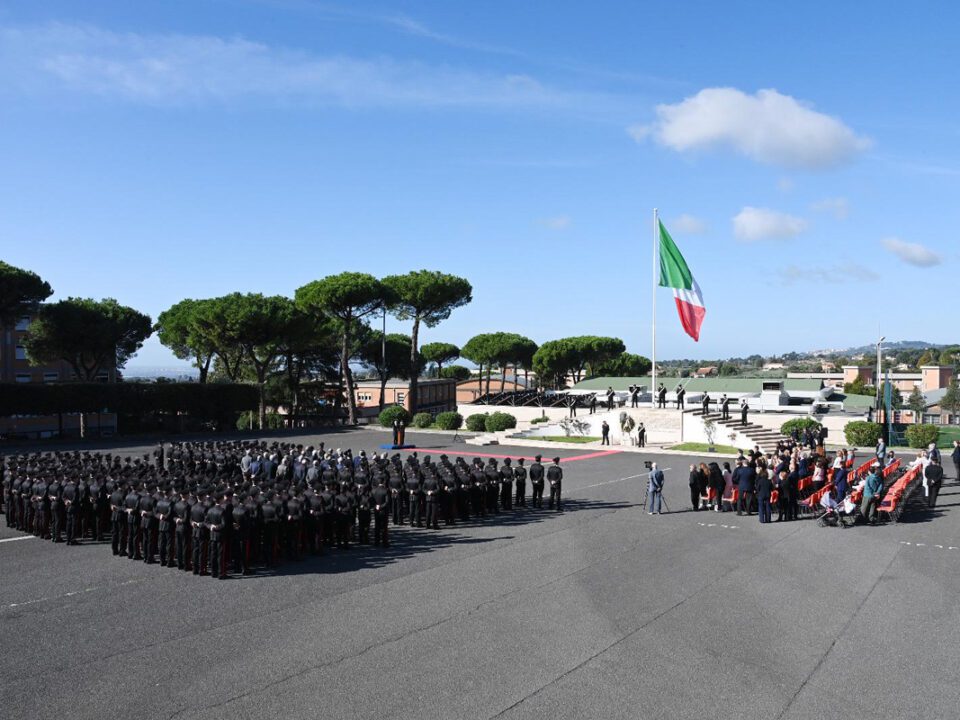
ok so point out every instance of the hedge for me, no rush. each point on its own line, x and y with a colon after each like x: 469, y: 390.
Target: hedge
x: 920, y: 436
x: 422, y: 420
x: 396, y: 412
x: 251, y: 419
x: 449, y: 421
x: 500, y: 421
x: 478, y: 422
x: 539, y: 420
x: 209, y: 400
x: 800, y: 424
x: 862, y: 434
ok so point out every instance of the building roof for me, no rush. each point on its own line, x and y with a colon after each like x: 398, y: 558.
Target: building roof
x: 853, y: 402
x: 934, y: 397
x: 398, y: 382
x: 695, y: 385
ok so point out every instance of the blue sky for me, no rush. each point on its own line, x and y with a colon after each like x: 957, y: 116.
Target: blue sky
x: 807, y: 163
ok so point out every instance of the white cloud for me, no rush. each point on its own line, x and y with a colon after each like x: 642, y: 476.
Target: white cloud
x: 560, y: 222
x: 164, y: 69
x: 912, y: 253
x: 836, y: 206
x: 768, y: 127
x: 687, y: 225
x: 752, y: 224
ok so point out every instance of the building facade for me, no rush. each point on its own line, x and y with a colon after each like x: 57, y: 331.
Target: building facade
x: 434, y: 395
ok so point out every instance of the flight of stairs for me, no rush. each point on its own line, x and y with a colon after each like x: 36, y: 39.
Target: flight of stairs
x: 765, y: 437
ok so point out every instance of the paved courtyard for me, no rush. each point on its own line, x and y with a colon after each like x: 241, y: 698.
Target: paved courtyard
x: 598, y: 612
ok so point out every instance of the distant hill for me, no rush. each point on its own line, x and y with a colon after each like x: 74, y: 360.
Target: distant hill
x: 888, y: 346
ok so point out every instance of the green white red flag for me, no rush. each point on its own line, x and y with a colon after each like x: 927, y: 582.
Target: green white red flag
x: 675, y: 274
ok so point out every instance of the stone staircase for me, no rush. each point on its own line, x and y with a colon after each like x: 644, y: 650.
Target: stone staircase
x: 765, y: 437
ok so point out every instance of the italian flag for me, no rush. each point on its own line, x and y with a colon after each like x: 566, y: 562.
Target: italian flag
x: 675, y: 274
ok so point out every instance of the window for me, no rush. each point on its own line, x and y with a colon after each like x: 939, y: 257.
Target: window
x: 931, y: 419
x: 103, y: 377
x: 401, y: 397
x: 364, y: 397
x: 23, y: 323
x: 23, y: 377
x: 51, y: 377
x: 21, y: 352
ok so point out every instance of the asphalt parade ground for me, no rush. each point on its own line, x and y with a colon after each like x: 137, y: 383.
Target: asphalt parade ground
x: 600, y: 611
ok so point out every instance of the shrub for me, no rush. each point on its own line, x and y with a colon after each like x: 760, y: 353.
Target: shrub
x: 862, y: 434
x: 539, y: 420
x: 800, y: 424
x: 478, y: 422
x: 251, y: 418
x: 449, y: 420
x: 500, y: 421
x: 423, y: 420
x: 919, y: 436
x: 397, y: 412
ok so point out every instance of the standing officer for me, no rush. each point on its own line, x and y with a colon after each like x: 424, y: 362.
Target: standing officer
x: 214, y: 523
x: 131, y: 505
x: 680, y: 393
x: 147, y: 525
x: 478, y: 482
x: 662, y: 396
x: 164, y: 514
x: 520, y: 477
x: 198, y: 517
x: 71, y: 507
x: 641, y: 435
x: 605, y: 433
x: 181, y: 514
x: 610, y: 397
x: 506, y: 485
x: 705, y: 404
x: 431, y: 493
x: 380, y: 496
x: 536, y: 482
x: 555, y: 477
x: 412, y: 475
x: 743, y: 411
x: 118, y: 525
x: 725, y: 406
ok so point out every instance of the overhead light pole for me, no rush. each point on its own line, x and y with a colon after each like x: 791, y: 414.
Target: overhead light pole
x: 876, y: 381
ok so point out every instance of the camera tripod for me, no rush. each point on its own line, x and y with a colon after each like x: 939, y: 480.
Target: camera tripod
x: 646, y: 494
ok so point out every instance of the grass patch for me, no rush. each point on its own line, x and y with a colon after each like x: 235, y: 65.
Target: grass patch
x: 948, y: 434
x: 575, y: 439
x: 703, y: 447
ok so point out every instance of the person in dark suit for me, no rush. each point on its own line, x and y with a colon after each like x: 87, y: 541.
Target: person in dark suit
x: 705, y: 404
x: 605, y: 433
x: 694, y: 482
x: 764, y: 490
x: 745, y: 478
x: 725, y: 406
x: 743, y: 412
x: 641, y: 436
x: 956, y: 460
x: 680, y: 394
x: 610, y: 398
x: 662, y: 396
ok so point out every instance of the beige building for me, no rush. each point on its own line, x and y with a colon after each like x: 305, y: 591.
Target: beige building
x: 434, y: 395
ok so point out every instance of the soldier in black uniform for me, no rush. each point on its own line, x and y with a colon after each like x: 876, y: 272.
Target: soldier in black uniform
x: 293, y: 526
x: 431, y: 496
x: 412, y: 477
x: 71, y: 508
x: 214, y: 523
x: 132, y: 507
x: 163, y: 511
x: 181, y: 515
x: 148, y: 526
x: 555, y: 478
x: 118, y: 520
x: 536, y: 482
x: 381, y: 498
x: 506, y: 485
x: 478, y: 488
x: 271, y: 520
x: 450, y: 493
x: 344, y: 515
x: 199, y: 533
x: 520, y: 477
x: 492, y: 485
x: 662, y: 396
x: 364, y: 508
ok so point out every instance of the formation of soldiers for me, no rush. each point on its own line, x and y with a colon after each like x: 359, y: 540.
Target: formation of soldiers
x: 216, y: 507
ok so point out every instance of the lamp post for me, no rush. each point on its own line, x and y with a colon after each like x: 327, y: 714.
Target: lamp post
x: 877, y: 378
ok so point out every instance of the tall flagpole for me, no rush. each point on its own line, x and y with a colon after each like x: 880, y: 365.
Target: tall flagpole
x: 653, y: 291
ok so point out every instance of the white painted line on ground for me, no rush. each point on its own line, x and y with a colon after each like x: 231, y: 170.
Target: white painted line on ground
x: 14, y: 539
x: 608, y: 482
x: 69, y: 594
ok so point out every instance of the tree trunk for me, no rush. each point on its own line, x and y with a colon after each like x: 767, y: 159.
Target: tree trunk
x: 347, y: 376
x: 262, y: 410
x: 383, y: 389
x: 414, y: 370
x: 479, y: 381
x: 503, y: 377
x: 204, y: 368
x: 489, y: 368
